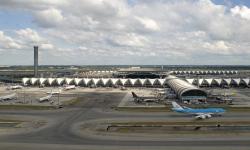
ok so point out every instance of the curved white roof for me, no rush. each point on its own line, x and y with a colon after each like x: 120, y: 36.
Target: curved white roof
x: 42, y: 80
x: 59, y: 81
x: 209, y: 81
x: 190, y: 81
x: 133, y: 81
x: 152, y: 81
x: 25, y: 80
x: 77, y: 81
x: 96, y: 80
x: 237, y: 81
x: 218, y: 81
x: 68, y: 80
x: 200, y: 81
x: 246, y: 80
x: 114, y: 81
x: 142, y: 81
x: 162, y: 81
x: 87, y: 80
x: 105, y: 81
x: 33, y: 80
x: 123, y: 81
x: 51, y: 80
x: 180, y: 86
x: 228, y: 81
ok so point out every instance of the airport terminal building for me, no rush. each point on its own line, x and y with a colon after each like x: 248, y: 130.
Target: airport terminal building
x: 185, y: 90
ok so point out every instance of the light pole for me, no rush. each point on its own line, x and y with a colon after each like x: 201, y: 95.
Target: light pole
x: 58, y: 100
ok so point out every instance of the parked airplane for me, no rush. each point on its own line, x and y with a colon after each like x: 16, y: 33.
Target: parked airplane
x: 54, y: 92
x: 139, y: 99
x: 46, y: 98
x: 14, y: 87
x: 69, y: 87
x: 199, y: 113
x: 8, y: 97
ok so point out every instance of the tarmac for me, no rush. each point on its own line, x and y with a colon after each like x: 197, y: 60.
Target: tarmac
x: 61, y: 132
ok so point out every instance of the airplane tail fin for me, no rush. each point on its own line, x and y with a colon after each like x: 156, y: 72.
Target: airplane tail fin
x: 177, y: 106
x: 134, y: 95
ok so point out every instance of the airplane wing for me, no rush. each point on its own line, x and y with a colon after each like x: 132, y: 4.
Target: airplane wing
x: 203, y: 115
x: 186, y: 107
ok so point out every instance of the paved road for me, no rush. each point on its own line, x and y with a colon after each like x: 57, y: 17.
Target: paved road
x: 97, y: 106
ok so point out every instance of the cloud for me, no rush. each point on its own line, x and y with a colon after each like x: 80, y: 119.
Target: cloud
x: 29, y: 35
x: 218, y: 47
x: 242, y: 11
x: 165, y: 31
x: 148, y: 23
x: 7, y: 42
x: 49, y: 17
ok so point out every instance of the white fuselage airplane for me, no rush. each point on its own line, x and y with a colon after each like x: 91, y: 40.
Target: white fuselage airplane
x: 140, y: 99
x: 54, y: 92
x: 15, y: 87
x: 70, y: 87
x: 201, y: 113
x: 46, y: 98
x: 8, y: 97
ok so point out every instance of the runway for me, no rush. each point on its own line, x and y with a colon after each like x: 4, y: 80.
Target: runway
x: 59, y: 132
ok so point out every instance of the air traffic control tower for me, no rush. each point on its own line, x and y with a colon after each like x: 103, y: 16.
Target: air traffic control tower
x: 35, y: 61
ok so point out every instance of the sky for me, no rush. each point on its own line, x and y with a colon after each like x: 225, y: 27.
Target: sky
x: 125, y: 32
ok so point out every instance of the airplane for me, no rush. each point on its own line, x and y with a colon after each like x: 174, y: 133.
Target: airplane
x: 204, y: 113
x: 69, y: 87
x: 139, y: 99
x: 123, y: 88
x: 14, y: 87
x: 46, y: 98
x: 8, y: 97
x: 54, y: 92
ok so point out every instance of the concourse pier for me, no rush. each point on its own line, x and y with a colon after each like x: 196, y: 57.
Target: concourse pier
x: 184, y: 90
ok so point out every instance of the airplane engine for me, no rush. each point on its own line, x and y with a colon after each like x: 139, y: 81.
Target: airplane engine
x: 208, y: 116
x: 200, y: 117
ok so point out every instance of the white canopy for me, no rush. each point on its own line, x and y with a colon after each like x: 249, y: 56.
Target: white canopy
x: 68, y: 80
x: 218, y: 81
x: 114, y: 80
x: 190, y: 81
x: 246, y: 80
x: 96, y: 80
x: 59, y: 81
x: 124, y: 81
x: 162, y: 81
x: 142, y: 81
x: 237, y: 81
x: 151, y: 81
x: 200, y: 81
x: 33, y: 80
x: 228, y: 81
x: 86, y: 80
x: 77, y: 81
x: 25, y: 80
x: 51, y: 80
x: 42, y: 80
x: 105, y: 81
x: 209, y: 81
x: 133, y: 81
